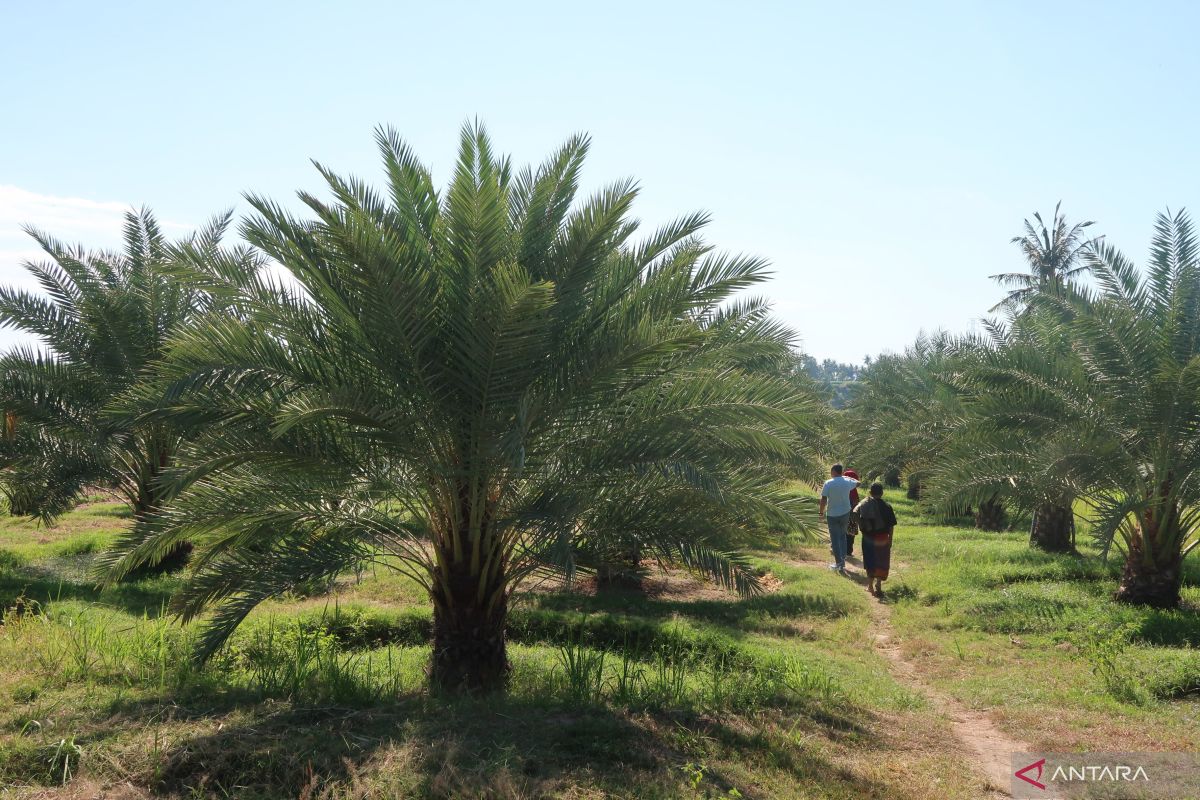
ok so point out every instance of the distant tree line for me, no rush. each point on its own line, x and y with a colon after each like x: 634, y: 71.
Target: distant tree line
x: 833, y: 378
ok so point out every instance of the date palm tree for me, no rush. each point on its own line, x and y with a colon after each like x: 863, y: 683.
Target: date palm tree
x: 1054, y: 254
x: 23, y: 486
x: 102, y: 320
x: 467, y: 387
x: 997, y: 452
x: 901, y: 411
x: 1126, y: 407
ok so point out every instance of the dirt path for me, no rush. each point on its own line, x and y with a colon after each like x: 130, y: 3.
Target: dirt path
x: 993, y: 748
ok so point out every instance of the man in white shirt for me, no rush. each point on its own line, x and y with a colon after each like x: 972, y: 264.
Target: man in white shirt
x: 835, y: 498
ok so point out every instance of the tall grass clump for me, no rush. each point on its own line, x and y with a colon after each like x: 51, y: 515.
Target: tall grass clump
x: 288, y: 659
x: 69, y: 643
x: 672, y: 676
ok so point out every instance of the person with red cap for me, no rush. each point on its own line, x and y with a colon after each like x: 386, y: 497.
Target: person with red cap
x: 852, y: 523
x: 835, y: 497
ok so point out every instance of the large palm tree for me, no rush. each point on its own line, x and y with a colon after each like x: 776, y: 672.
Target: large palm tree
x: 1054, y: 254
x: 468, y: 386
x: 102, y: 320
x: 998, y: 452
x: 1128, y: 404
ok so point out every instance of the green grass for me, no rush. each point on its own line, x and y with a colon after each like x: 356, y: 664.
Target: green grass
x: 1039, y: 638
x: 684, y: 693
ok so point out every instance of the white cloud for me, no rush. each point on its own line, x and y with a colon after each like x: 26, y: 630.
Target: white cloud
x: 57, y: 214
x: 69, y: 219
x: 96, y: 224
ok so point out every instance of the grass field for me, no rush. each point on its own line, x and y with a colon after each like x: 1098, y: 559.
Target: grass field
x: 682, y: 692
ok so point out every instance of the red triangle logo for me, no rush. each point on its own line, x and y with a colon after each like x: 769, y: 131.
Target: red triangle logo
x: 1035, y: 765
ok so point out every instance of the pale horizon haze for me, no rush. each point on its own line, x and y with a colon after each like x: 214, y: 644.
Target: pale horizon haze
x: 880, y: 155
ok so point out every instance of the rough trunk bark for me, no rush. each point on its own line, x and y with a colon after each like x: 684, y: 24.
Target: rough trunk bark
x: 148, y: 503
x: 991, y: 516
x: 1153, y: 570
x: 914, y: 488
x: 470, y: 653
x: 1150, y: 585
x: 1053, y: 528
x: 620, y: 570
x: 19, y: 507
x: 891, y: 478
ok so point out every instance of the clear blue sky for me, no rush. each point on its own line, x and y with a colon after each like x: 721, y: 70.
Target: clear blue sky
x: 880, y: 157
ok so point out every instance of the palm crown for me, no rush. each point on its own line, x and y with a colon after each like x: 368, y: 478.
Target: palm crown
x: 997, y: 449
x: 902, y: 408
x: 466, y: 386
x: 1054, y: 254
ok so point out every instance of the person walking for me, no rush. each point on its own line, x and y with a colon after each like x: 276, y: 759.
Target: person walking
x: 877, y: 523
x: 836, y: 508
x: 852, y: 522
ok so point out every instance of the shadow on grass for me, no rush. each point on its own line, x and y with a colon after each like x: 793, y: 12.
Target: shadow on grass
x: 741, y: 613
x: 433, y: 749
x: 114, y: 510
x: 425, y: 747
x: 143, y: 598
x: 897, y: 592
x: 802, y: 765
x: 1169, y: 628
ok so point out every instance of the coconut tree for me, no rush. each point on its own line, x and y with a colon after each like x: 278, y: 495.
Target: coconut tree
x: 1055, y: 257
x: 469, y: 386
x: 102, y: 320
x: 1126, y: 408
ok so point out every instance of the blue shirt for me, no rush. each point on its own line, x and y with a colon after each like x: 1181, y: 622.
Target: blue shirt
x: 837, y: 492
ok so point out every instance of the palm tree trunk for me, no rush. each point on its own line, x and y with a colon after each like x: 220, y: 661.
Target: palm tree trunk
x: 1149, y: 584
x: 469, y: 612
x: 620, y: 570
x: 991, y: 515
x: 1153, y: 572
x: 914, y: 488
x: 1053, y: 528
x: 891, y: 478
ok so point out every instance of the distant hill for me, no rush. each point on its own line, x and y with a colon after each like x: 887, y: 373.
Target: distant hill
x: 837, y: 379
